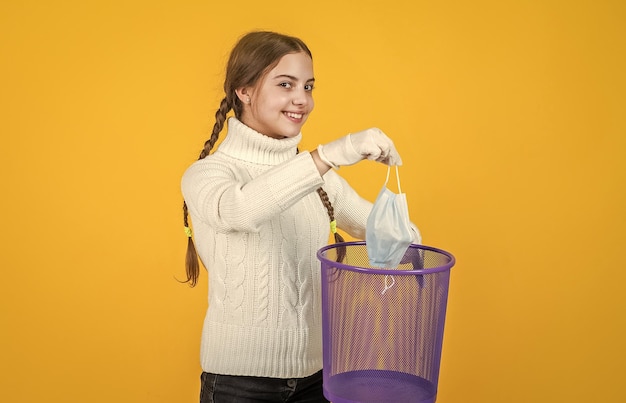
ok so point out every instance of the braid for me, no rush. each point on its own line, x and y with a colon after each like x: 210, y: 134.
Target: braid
x: 191, y: 260
x: 341, y: 250
x: 220, y: 119
x: 192, y: 266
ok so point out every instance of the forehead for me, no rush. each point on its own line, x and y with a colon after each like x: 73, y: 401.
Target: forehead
x: 297, y: 65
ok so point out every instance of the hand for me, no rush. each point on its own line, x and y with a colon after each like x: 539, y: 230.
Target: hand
x: 371, y: 144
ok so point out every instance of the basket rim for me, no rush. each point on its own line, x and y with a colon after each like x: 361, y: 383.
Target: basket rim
x: 321, y: 252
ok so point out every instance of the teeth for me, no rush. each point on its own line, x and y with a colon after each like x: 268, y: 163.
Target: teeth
x: 294, y: 115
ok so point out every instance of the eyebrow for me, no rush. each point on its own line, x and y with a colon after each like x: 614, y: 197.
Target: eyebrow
x: 292, y: 77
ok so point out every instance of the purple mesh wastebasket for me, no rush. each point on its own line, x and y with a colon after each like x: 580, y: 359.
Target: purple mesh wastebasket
x: 383, y: 328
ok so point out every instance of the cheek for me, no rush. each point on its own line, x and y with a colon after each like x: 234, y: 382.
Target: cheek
x: 269, y: 103
x: 263, y: 106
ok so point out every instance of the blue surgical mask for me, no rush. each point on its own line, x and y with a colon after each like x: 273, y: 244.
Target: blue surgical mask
x: 388, y: 232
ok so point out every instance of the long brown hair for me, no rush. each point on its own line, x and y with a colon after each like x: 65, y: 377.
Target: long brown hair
x: 253, y: 56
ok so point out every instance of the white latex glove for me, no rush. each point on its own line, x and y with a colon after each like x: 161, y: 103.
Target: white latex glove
x: 371, y: 144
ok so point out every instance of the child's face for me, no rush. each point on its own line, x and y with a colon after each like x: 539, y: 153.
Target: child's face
x: 281, y: 101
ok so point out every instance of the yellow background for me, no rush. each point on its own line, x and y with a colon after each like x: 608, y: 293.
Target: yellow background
x: 509, y: 116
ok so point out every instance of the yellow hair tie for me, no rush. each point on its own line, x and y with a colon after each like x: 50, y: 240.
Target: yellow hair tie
x: 188, y: 232
x: 333, y: 226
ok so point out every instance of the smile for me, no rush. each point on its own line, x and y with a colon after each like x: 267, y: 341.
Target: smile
x: 294, y: 115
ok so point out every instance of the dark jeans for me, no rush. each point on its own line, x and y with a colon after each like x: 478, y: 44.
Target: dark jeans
x: 249, y: 389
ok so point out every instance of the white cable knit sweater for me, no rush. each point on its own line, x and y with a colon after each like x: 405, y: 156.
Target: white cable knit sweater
x: 258, y: 223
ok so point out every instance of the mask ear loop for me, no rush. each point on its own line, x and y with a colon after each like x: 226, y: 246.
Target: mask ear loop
x: 397, y: 177
x: 387, y: 285
x: 389, y: 277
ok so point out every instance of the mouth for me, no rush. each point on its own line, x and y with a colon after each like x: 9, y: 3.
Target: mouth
x: 293, y: 116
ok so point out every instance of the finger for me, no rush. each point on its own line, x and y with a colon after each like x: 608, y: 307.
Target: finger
x: 374, y: 154
x: 397, y: 160
x: 383, y: 143
x: 371, y: 149
x: 394, y: 157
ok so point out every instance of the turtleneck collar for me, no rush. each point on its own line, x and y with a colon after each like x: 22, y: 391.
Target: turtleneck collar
x: 246, y: 144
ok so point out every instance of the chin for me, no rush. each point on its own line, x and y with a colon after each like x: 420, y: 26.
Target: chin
x: 291, y: 132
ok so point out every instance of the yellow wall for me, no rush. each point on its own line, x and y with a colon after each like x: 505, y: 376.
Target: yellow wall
x: 509, y: 116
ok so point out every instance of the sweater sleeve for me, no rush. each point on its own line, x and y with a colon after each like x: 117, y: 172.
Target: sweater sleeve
x: 216, y: 195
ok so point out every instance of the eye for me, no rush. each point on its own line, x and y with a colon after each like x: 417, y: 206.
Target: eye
x: 285, y: 84
x: 308, y: 87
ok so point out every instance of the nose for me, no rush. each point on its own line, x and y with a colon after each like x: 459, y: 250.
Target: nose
x: 301, y: 97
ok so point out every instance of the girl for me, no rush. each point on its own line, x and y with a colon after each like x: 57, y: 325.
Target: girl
x: 261, y: 210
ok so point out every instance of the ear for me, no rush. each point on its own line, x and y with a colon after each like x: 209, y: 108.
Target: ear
x: 244, y: 94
